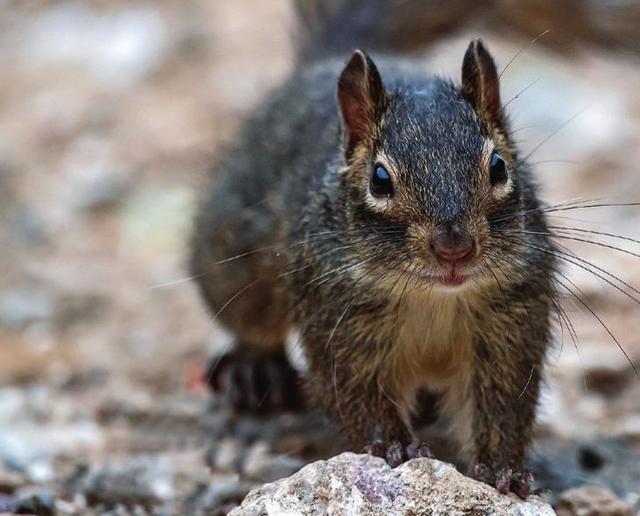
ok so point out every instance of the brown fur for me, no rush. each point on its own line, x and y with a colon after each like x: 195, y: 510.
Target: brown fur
x: 353, y: 273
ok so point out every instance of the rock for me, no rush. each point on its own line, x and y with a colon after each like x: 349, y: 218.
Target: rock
x: 560, y: 466
x: 10, y: 481
x: 40, y: 504
x: 21, y: 307
x: 94, y: 177
x: 362, y: 484
x: 592, y: 501
x: 608, y: 381
x: 221, y: 495
x: 28, y: 448
x: 266, y: 467
x: 6, y: 504
x: 629, y: 428
x: 119, y: 49
x: 225, y: 455
x: 136, y: 481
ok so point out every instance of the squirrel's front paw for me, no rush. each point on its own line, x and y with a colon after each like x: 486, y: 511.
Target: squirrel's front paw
x: 255, y: 383
x: 395, y: 453
x: 505, y: 479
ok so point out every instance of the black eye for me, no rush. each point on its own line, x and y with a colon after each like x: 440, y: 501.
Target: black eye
x: 498, y: 171
x: 380, y: 184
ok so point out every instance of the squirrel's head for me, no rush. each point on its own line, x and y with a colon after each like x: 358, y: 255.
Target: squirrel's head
x: 430, y: 169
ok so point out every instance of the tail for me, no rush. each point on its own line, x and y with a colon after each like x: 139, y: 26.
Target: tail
x: 337, y: 27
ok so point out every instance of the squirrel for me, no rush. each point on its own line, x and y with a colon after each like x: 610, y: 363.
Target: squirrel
x: 387, y: 216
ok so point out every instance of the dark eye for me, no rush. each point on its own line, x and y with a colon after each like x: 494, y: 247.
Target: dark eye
x: 498, y: 171
x: 380, y: 184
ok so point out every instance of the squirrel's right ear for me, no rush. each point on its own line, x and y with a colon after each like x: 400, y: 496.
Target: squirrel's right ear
x: 480, y: 82
x: 361, y: 98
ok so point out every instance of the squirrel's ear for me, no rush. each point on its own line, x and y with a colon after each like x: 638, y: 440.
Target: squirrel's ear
x: 480, y: 82
x: 361, y: 98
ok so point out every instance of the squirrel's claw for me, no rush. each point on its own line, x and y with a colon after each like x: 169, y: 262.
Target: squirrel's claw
x: 265, y: 383
x: 521, y: 483
x: 505, y: 480
x: 482, y: 473
x: 395, y: 453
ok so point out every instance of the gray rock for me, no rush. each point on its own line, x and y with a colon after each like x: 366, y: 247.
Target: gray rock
x: 39, y: 503
x: 361, y: 484
x: 225, y: 455
x: 21, y: 307
x: 119, y: 49
x: 136, y: 481
x: 222, y: 494
x: 6, y: 503
x: 10, y: 481
x: 562, y: 465
x: 592, y: 501
x: 266, y: 467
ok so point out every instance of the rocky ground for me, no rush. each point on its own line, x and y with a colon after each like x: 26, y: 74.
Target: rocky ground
x: 110, y: 115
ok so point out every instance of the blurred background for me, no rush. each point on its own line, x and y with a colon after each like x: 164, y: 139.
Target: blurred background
x: 111, y: 114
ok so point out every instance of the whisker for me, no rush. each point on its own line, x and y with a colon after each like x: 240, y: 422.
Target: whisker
x: 561, y: 313
x: 585, y: 206
x: 313, y: 237
x: 600, y: 244
x: 234, y: 296
x: 504, y: 295
x: 563, y: 256
x: 517, y: 95
x: 561, y: 161
x: 335, y: 390
x: 599, y: 233
x: 604, y: 326
x: 340, y: 270
x: 175, y: 282
x: 335, y: 328
x: 581, y: 301
x: 525, y: 128
x: 526, y: 384
x: 556, y: 131
x: 562, y: 207
x: 543, y: 209
x: 522, y: 49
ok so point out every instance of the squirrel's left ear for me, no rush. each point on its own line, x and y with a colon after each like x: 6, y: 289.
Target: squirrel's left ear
x: 480, y: 82
x: 361, y: 99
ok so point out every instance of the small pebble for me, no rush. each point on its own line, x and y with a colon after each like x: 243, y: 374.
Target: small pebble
x: 592, y: 501
x: 40, y: 504
x: 266, y: 467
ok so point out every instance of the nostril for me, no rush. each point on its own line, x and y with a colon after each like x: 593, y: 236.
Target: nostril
x: 447, y: 250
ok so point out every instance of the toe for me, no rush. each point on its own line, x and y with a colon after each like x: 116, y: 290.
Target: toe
x: 377, y: 449
x: 482, y: 473
x: 503, y: 480
x: 395, y: 454
x: 521, y: 484
x: 418, y: 450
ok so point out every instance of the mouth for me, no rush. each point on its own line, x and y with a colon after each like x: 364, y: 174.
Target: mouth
x: 452, y: 278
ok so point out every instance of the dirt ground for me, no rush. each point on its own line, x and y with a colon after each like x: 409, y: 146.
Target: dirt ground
x: 111, y: 114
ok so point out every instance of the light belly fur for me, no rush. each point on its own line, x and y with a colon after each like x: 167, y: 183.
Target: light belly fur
x: 434, y: 350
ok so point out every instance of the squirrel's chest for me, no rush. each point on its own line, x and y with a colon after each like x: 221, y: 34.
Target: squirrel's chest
x: 434, y: 340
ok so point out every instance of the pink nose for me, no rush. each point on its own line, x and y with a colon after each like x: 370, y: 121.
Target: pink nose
x: 453, y: 245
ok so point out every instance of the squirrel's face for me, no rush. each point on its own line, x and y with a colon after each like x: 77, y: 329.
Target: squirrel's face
x: 429, y: 169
